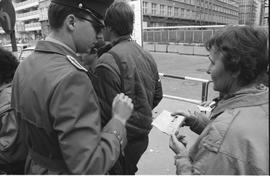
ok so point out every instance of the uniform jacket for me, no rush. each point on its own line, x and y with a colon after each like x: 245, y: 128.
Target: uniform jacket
x: 140, y: 82
x: 55, y: 99
x: 237, y: 140
x: 12, y: 149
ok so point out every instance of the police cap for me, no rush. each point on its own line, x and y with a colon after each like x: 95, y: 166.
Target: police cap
x: 96, y: 7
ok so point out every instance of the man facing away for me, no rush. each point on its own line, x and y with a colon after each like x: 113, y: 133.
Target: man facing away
x: 55, y: 101
x: 127, y: 68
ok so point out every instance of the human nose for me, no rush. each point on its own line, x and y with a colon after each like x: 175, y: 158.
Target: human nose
x: 208, y: 71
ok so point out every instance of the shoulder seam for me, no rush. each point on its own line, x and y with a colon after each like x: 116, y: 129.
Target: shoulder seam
x: 75, y: 63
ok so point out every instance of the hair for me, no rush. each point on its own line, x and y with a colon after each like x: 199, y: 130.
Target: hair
x: 244, y: 50
x: 8, y: 66
x: 58, y: 13
x: 120, y: 17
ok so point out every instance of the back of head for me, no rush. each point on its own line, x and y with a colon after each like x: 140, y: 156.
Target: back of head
x: 8, y: 66
x: 120, y: 17
x: 244, y: 50
x: 60, y: 9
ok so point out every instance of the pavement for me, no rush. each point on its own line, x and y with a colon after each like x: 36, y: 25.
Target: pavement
x: 158, y: 159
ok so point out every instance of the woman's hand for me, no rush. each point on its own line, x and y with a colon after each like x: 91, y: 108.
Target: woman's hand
x: 178, y: 143
x: 190, y: 118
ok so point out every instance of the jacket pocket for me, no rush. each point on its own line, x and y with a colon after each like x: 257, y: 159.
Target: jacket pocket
x: 213, y: 139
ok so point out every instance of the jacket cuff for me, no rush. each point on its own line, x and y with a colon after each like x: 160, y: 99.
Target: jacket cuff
x: 183, y: 164
x: 117, y: 128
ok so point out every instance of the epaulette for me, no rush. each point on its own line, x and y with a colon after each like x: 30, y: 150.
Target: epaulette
x: 75, y: 63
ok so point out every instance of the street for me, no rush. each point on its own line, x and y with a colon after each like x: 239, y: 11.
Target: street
x: 158, y: 158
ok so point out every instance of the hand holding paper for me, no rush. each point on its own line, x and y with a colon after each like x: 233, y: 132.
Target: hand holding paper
x: 167, y: 123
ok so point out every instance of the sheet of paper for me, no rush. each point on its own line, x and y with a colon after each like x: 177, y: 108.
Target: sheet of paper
x: 167, y: 123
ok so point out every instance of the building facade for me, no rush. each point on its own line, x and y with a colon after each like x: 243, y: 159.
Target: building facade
x: 43, y: 9
x: 264, y: 21
x: 28, y: 27
x: 32, y: 18
x: 189, y: 12
x: 247, y: 11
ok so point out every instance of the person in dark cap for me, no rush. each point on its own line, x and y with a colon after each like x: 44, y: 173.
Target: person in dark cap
x: 54, y: 98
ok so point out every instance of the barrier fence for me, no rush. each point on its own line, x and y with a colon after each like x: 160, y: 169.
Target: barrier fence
x: 184, y: 34
x: 178, y: 36
x: 195, y: 49
x: 204, y: 94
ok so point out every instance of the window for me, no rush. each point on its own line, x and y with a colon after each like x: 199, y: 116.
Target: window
x: 145, y: 8
x: 162, y: 10
x: 188, y: 13
x: 176, y: 11
x: 182, y: 12
x: 154, y: 8
x: 169, y: 10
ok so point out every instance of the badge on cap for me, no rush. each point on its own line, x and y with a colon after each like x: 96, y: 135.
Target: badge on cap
x: 80, y: 5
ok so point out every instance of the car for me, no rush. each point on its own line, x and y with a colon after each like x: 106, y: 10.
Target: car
x: 25, y: 53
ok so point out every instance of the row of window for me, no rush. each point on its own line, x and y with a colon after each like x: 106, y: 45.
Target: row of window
x: 163, y: 10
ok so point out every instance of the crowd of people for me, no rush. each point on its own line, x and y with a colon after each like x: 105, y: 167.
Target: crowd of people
x: 82, y: 102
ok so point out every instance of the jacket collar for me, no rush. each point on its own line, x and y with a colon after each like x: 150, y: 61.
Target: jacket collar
x: 121, y: 38
x: 54, y: 46
x: 254, y: 95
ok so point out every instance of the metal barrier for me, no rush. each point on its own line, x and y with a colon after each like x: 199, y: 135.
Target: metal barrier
x: 205, y: 86
x: 178, y: 36
x: 195, y: 49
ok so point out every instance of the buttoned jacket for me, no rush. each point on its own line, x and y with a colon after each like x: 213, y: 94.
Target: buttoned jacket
x: 55, y: 99
x: 237, y: 140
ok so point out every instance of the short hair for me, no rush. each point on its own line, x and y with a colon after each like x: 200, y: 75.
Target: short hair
x: 57, y: 14
x: 244, y: 49
x: 120, y: 17
x: 8, y: 66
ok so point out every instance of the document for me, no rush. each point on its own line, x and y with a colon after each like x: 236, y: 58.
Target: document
x: 167, y: 123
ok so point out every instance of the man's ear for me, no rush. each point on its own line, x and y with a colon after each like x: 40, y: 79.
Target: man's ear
x: 70, y: 22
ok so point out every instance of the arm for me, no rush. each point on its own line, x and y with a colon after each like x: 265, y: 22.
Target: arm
x: 11, y: 144
x: 182, y: 161
x: 108, y: 84
x: 196, y: 121
x: 207, y: 157
x: 158, y: 91
x: 85, y: 148
x: 199, y: 123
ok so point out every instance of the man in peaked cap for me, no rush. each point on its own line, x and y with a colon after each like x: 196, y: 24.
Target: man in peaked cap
x: 55, y: 102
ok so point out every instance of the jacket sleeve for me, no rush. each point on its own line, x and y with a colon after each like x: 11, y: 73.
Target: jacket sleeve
x: 217, y: 163
x: 12, y: 148
x: 8, y: 123
x: 108, y: 84
x: 211, y: 163
x: 158, y: 91
x: 199, y: 123
x: 86, y: 149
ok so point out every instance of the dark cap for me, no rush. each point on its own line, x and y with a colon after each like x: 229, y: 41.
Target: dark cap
x: 97, y: 7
